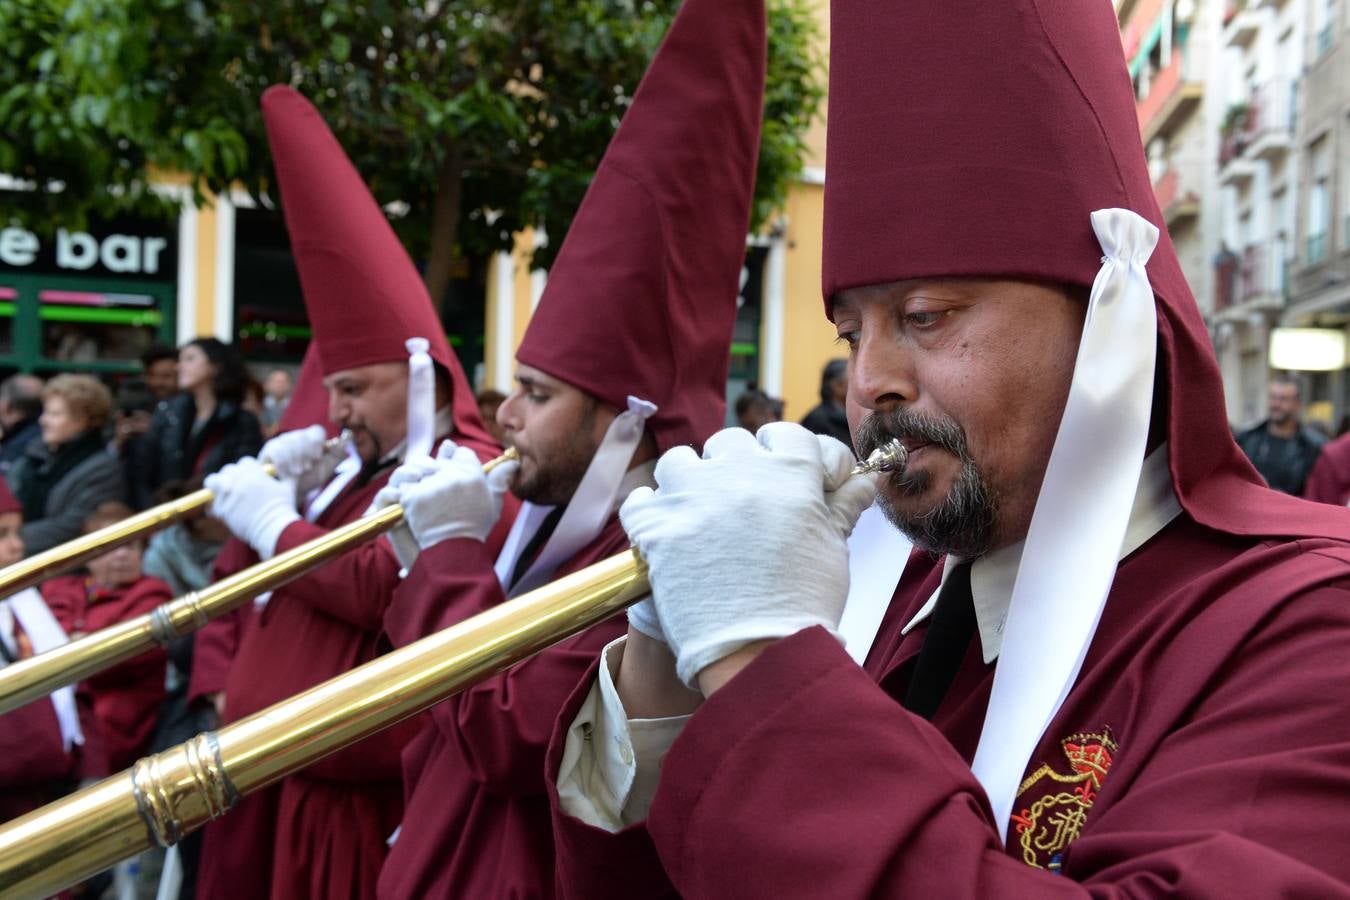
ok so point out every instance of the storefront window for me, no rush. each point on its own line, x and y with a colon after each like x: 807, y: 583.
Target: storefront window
x: 8, y: 306
x: 96, y: 326
x: 743, y: 371
x: 90, y: 301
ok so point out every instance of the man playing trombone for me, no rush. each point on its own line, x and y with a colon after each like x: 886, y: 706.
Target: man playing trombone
x: 322, y: 832
x: 1119, y: 668
x: 626, y: 356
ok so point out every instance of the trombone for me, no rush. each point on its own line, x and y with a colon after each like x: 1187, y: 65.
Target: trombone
x: 171, y: 794
x: 29, y: 679
x: 41, y: 566
x: 168, y: 795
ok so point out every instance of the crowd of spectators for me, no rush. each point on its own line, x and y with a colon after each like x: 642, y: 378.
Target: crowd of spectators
x: 78, y: 453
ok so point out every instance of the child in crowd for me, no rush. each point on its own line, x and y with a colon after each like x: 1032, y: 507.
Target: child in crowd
x: 126, y: 698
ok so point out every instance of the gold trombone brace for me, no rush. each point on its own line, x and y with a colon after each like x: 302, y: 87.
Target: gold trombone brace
x: 30, y: 679
x: 41, y: 566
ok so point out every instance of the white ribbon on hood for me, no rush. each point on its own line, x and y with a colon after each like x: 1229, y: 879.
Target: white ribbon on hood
x: 1079, y: 524
x: 45, y: 633
x: 586, y: 512
x: 421, y: 400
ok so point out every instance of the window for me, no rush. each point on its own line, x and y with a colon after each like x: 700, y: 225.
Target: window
x: 1319, y: 200
x: 1323, y: 26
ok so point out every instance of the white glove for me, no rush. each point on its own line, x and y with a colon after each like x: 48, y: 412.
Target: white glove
x: 748, y: 543
x: 255, y: 506
x: 294, y: 452
x: 302, y: 456
x: 445, y: 497
x: 643, y: 617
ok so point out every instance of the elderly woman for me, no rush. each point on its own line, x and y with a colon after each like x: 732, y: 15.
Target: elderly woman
x: 69, y: 472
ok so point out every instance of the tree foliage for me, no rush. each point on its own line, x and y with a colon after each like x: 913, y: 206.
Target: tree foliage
x: 472, y: 118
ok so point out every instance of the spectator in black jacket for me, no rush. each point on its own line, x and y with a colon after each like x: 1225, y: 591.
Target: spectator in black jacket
x: 69, y: 471
x: 202, y: 428
x: 20, y: 406
x: 828, y: 417
x: 1282, y: 448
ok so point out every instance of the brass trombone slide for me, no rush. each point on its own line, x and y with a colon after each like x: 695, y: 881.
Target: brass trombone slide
x: 171, y: 794
x: 41, y: 566
x: 29, y: 679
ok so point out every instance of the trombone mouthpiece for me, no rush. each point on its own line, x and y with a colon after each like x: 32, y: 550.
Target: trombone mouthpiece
x: 889, y: 457
x: 507, y: 455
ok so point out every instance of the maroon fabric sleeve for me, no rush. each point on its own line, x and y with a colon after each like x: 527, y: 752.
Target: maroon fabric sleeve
x: 355, y: 588
x: 501, y: 726
x: 802, y: 772
x: 213, y: 651
x: 30, y: 746
x: 1329, y: 480
x: 449, y: 582
x: 127, y: 696
x: 594, y: 864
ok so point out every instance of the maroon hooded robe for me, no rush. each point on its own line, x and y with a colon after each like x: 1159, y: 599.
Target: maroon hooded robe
x: 322, y: 832
x: 126, y: 697
x: 35, y: 767
x: 1329, y: 480
x: 1204, y: 750
x: 651, y: 318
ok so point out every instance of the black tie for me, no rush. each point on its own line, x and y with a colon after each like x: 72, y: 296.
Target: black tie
x: 536, y: 544
x: 944, y: 645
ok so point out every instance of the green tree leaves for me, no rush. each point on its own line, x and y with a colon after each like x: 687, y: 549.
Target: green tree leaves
x: 478, y: 117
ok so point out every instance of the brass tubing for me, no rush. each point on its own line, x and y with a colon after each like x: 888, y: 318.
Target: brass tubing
x: 41, y: 566
x: 27, y: 680
x: 173, y: 793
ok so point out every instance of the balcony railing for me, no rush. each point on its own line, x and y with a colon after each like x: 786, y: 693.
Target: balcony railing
x: 1262, y: 272
x: 1165, y: 189
x: 1240, y: 23
x: 1324, y: 39
x: 1272, y: 109
x: 1178, y: 205
x: 1317, y: 248
x: 1225, y: 280
x: 1172, y: 96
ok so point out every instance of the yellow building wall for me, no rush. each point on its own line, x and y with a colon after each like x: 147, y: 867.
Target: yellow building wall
x: 198, y: 305
x: 205, y: 301
x: 808, y: 337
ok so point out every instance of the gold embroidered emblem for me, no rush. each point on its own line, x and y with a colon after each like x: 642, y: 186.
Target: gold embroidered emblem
x: 1052, y: 820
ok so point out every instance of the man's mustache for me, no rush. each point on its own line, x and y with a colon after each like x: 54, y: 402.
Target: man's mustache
x: 911, y: 429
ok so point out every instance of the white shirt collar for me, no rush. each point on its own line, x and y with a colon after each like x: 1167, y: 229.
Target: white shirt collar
x: 641, y: 475
x: 445, y: 425
x: 992, y: 575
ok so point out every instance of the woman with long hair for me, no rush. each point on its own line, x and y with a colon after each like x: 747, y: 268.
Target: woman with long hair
x: 204, y: 426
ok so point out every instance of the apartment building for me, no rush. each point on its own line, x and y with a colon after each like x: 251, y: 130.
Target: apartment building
x: 1319, y: 293
x: 1257, y: 85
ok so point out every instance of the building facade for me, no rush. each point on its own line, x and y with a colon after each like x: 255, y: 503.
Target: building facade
x: 1319, y: 281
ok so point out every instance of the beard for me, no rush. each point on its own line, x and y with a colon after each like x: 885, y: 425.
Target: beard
x: 559, y: 466
x: 962, y: 523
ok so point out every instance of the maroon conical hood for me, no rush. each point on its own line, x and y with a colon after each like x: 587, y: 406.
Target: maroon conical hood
x: 970, y: 138
x: 362, y: 292
x: 308, y: 404
x: 642, y: 297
